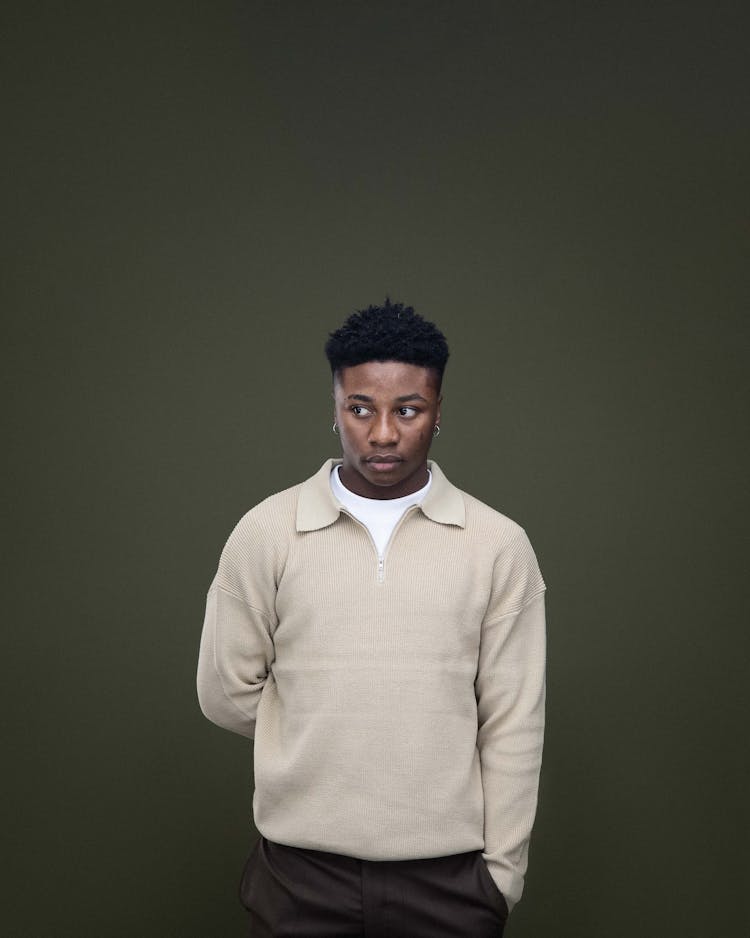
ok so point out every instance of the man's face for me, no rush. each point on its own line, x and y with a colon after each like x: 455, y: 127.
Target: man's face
x: 386, y: 412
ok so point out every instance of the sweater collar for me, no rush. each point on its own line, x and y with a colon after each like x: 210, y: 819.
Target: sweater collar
x: 317, y: 506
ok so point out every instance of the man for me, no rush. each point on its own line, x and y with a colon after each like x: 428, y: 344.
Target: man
x: 380, y: 634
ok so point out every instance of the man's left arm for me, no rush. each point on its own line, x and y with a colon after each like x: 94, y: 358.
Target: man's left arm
x: 510, y: 692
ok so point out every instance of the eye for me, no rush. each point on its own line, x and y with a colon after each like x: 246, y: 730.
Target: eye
x: 408, y: 411
x: 359, y: 410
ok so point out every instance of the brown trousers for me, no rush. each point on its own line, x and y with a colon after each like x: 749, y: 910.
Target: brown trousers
x: 291, y: 892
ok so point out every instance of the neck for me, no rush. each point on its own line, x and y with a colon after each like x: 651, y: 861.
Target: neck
x: 356, y: 483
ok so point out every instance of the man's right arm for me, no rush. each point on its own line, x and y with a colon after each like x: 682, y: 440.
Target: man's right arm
x: 236, y: 652
x: 236, y: 649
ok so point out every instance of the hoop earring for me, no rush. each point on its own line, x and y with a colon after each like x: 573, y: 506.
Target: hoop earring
x: 436, y: 431
x: 335, y: 428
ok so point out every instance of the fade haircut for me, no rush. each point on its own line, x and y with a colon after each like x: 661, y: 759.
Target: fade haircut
x: 392, y: 332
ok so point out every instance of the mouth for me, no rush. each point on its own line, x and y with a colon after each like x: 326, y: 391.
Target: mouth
x: 382, y: 463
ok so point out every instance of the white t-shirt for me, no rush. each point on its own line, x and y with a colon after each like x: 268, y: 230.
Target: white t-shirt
x: 379, y: 515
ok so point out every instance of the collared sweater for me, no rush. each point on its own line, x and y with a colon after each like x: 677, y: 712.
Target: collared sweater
x: 396, y: 703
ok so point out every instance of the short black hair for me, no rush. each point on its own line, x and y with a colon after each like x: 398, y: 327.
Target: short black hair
x: 391, y: 332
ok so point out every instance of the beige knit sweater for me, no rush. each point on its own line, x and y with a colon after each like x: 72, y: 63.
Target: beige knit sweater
x: 397, y: 708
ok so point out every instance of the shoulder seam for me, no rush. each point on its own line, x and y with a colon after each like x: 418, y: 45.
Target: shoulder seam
x: 514, y: 612
x: 261, y: 612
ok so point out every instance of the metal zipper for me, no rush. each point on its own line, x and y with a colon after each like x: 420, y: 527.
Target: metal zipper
x: 381, y: 560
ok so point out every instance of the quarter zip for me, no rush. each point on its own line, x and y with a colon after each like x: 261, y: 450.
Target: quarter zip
x: 381, y: 558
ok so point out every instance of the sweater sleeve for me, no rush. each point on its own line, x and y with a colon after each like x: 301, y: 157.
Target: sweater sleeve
x: 236, y: 647
x: 235, y: 654
x: 510, y: 689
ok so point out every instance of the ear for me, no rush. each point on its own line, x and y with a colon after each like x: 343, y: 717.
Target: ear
x: 440, y: 401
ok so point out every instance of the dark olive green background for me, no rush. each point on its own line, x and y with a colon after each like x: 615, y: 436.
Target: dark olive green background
x: 194, y: 195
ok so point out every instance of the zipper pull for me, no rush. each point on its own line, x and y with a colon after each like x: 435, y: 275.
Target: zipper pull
x: 380, y: 570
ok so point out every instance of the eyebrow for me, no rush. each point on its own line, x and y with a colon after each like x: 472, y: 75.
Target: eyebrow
x: 401, y: 400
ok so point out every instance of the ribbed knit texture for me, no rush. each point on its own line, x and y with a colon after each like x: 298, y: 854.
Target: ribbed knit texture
x: 397, y: 714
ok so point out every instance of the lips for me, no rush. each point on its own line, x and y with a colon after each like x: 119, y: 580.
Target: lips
x: 382, y: 463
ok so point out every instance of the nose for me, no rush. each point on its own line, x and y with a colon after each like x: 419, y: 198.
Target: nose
x: 384, y: 431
